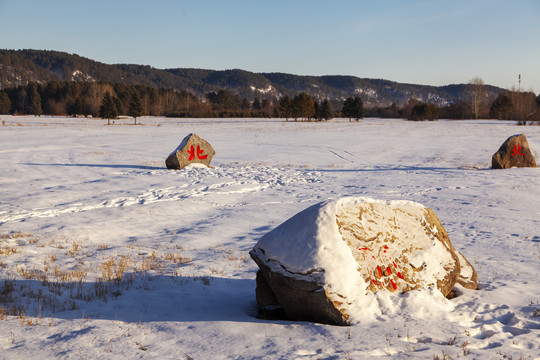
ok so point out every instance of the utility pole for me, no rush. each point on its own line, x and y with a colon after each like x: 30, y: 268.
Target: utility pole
x: 519, y: 104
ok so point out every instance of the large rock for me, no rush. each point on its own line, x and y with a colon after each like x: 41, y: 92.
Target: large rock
x: 193, y: 149
x: 514, y: 151
x: 322, y: 264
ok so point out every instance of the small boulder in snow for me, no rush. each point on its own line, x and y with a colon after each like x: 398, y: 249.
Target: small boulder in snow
x: 514, y: 152
x: 325, y: 263
x: 193, y: 149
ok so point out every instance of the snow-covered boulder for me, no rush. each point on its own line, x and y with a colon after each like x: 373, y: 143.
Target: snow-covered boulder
x: 514, y: 152
x: 192, y: 150
x: 326, y: 262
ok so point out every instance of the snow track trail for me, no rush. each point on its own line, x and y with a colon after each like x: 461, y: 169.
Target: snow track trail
x: 241, y: 181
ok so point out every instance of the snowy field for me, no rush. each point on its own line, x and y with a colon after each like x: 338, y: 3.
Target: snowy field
x: 106, y: 254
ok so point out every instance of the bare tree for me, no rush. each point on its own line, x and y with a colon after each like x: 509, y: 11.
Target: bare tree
x: 525, y: 105
x: 477, y: 93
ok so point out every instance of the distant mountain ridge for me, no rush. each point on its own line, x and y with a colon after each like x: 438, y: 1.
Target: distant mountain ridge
x: 18, y: 67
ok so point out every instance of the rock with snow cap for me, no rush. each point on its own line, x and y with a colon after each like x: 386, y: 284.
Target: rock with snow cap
x: 324, y: 262
x: 192, y: 150
x: 514, y: 152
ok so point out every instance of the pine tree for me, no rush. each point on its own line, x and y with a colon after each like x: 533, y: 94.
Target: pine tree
x: 107, y: 110
x: 317, y: 111
x: 358, y: 109
x: 266, y: 105
x: 34, y: 100
x: 285, y: 107
x: 423, y: 111
x: 347, y: 108
x: 303, y: 106
x: 326, y: 111
x: 5, y: 103
x: 256, y: 104
x: 245, y: 104
x: 118, y: 105
x: 135, y: 107
x: 353, y: 108
x: 20, y: 101
x: 502, y: 107
x: 76, y: 108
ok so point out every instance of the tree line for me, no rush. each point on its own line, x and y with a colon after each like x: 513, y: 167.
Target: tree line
x: 478, y: 104
x: 85, y: 98
x: 109, y: 100
x: 523, y: 107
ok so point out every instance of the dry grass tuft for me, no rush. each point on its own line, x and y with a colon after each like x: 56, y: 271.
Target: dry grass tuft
x: 177, y: 258
x: 15, y: 235
x: 75, y: 249
x: 48, y: 281
x: 8, y: 249
x: 216, y: 271
x: 114, y: 268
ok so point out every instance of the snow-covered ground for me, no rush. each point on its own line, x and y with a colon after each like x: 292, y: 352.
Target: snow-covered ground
x: 106, y: 254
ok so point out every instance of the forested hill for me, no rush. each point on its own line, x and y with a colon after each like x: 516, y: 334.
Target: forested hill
x: 18, y: 67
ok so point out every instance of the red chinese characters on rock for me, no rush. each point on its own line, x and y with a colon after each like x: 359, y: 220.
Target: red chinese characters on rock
x: 192, y: 149
x: 381, y: 274
x: 199, y: 153
x: 517, y: 151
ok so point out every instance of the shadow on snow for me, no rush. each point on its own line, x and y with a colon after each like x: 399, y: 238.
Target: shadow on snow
x: 113, y: 166
x: 144, y: 299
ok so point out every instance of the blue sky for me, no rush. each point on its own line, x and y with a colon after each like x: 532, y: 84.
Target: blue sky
x: 428, y: 42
